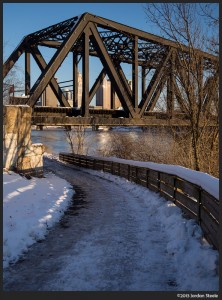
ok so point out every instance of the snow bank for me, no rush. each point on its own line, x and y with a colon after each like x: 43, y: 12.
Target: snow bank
x: 196, y: 262
x: 30, y: 208
x: 206, y: 181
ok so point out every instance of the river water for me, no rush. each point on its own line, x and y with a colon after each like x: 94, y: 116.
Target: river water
x: 55, y: 140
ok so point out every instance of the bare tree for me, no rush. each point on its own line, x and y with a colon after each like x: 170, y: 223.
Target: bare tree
x: 210, y: 12
x: 196, y: 79
x: 77, y: 139
x: 12, y: 82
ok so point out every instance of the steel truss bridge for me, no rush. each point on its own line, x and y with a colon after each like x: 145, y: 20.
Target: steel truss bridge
x: 155, y: 64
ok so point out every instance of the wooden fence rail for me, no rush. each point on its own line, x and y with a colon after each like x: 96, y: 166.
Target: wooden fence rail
x: 194, y: 201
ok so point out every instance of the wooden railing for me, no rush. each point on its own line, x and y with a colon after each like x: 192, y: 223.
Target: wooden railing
x: 195, y: 202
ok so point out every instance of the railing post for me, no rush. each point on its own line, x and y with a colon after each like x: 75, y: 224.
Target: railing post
x: 147, y: 177
x: 129, y: 172
x: 110, y: 168
x: 199, y: 206
x: 158, y: 182
x: 136, y: 174
x: 174, y: 189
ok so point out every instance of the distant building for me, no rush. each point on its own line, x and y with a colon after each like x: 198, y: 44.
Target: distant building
x: 78, y: 101
x: 48, y: 98
x: 103, y: 96
x: 68, y: 95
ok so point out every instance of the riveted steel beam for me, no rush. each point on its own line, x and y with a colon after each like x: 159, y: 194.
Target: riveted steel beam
x: 111, y: 25
x: 50, y: 44
x: 210, y: 92
x: 112, y: 72
x: 135, y: 73
x: 123, y: 79
x: 143, y: 82
x: 153, y: 84
x: 180, y: 99
x: 27, y: 72
x: 13, y: 58
x: 56, y: 61
x: 113, y: 43
x: 57, y: 32
x: 108, y: 121
x: 53, y: 83
x: 85, y: 73
x: 112, y: 97
x: 97, y: 84
x: 75, y: 80
x: 157, y: 93
x: 171, y: 85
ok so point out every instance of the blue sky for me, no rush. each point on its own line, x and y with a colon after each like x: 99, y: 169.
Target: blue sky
x: 20, y: 19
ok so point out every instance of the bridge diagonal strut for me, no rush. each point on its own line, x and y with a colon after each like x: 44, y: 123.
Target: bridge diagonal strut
x: 153, y: 84
x: 210, y: 91
x: 116, y: 45
x: 156, y: 94
x: 13, y: 58
x: 85, y: 91
x: 112, y: 72
x: 53, y: 83
x: 56, y: 61
x: 97, y: 84
x: 123, y: 78
x: 179, y: 98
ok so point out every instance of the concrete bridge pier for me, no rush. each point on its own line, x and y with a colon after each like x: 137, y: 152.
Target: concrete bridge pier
x: 19, y: 153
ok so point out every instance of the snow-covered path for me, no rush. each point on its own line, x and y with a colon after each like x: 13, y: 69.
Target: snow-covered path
x: 115, y: 241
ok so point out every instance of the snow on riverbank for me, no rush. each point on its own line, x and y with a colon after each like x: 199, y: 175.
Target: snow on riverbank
x: 30, y: 207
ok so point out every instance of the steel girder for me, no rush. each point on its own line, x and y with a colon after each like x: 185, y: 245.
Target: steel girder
x: 153, y: 84
x: 113, y: 43
x: 97, y: 84
x: 115, y: 77
x: 56, y: 61
x: 53, y: 83
x: 9, y: 63
x: 58, y: 32
x: 85, y: 92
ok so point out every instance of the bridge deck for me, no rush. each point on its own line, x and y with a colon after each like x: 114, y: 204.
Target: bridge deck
x: 66, y: 116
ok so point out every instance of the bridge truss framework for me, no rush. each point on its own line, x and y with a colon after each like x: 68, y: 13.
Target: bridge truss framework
x: 113, y: 43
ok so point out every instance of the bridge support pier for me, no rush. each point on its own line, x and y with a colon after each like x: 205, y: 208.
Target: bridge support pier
x: 19, y: 153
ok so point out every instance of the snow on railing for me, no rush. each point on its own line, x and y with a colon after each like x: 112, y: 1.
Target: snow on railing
x: 194, y: 201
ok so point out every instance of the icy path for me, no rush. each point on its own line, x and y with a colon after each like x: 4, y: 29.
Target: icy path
x: 115, y: 242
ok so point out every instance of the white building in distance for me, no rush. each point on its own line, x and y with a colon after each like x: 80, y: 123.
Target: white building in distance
x: 103, y: 96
